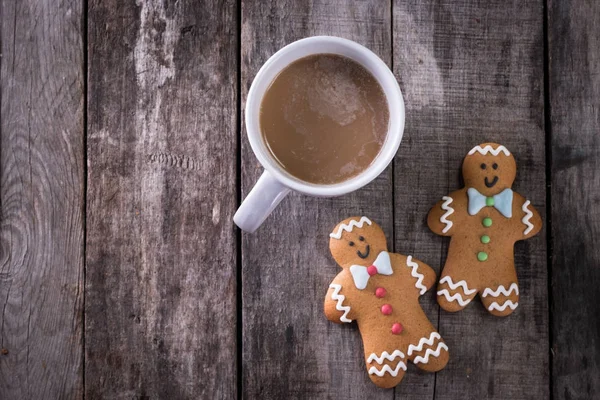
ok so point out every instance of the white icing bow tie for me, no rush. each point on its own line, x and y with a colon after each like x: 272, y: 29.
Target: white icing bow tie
x: 501, y: 202
x: 361, y: 274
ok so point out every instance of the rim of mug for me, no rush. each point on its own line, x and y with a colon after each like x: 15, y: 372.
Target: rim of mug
x: 395, y: 103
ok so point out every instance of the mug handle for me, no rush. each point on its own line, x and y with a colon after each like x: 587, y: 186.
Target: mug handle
x: 260, y: 202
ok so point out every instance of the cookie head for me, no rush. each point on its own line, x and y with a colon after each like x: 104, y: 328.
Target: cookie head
x: 356, y: 240
x: 489, y: 168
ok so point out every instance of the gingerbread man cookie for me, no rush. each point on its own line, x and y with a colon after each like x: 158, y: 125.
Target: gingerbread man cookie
x: 484, y: 220
x: 380, y: 291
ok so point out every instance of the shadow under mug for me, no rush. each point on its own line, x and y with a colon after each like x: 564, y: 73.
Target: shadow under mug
x: 275, y: 182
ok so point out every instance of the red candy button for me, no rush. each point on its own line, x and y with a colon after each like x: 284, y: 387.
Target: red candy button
x: 380, y: 292
x: 397, y: 329
x: 386, y: 309
x: 372, y: 270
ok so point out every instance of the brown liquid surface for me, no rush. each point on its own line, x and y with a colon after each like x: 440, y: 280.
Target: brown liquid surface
x: 324, y: 118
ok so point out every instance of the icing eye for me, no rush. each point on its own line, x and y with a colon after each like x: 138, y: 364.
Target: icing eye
x: 362, y: 239
x: 495, y: 166
x: 483, y: 166
x: 351, y: 243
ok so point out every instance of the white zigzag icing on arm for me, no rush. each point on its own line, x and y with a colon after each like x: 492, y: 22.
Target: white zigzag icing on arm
x: 386, y: 368
x: 385, y: 356
x: 507, y: 303
x: 449, y: 211
x: 419, y: 284
x: 527, y: 217
x: 456, y: 297
x: 340, y: 300
x: 429, y: 352
x: 453, y: 286
x: 489, y: 149
x: 423, y: 341
x: 349, y: 227
x: 501, y: 289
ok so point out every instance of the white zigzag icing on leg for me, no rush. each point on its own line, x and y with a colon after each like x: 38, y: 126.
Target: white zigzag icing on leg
x: 527, y: 217
x: 507, y: 303
x: 419, y: 284
x: 501, y: 289
x: 429, y: 352
x: 385, y: 356
x: 423, y: 341
x: 456, y: 297
x: 449, y: 211
x: 386, y: 368
x: 340, y: 300
x: 461, y: 284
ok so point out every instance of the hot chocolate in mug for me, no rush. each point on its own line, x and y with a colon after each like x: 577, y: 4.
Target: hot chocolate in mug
x: 276, y: 182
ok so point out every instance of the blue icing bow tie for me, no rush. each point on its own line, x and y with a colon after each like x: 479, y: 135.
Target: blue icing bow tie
x: 502, y: 202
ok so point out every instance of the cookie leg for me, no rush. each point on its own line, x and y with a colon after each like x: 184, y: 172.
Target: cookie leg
x: 429, y: 353
x: 501, y: 299
x: 386, y: 368
x: 454, y: 294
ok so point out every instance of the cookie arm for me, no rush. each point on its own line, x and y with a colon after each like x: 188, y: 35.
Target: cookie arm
x: 441, y: 219
x: 425, y: 275
x: 531, y: 221
x: 337, y: 308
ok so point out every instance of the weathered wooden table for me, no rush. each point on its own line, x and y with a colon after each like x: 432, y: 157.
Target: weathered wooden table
x: 124, y: 157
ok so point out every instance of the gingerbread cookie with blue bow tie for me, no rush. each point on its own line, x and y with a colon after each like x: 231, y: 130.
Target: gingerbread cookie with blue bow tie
x: 484, y: 220
x: 380, y: 291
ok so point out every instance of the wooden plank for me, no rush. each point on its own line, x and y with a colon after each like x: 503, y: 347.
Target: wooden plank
x: 161, y: 247
x: 41, y: 199
x: 574, y: 82
x: 473, y: 73
x: 290, y: 350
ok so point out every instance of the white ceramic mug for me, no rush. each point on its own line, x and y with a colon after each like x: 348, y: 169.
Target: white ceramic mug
x: 275, y: 182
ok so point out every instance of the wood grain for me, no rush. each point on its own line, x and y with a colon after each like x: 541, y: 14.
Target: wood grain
x: 160, y: 317
x: 160, y: 303
x: 473, y: 73
x: 290, y: 350
x: 41, y: 200
x: 574, y: 81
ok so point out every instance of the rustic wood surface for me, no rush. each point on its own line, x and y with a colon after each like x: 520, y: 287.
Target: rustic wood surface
x: 139, y: 180
x: 41, y: 200
x: 574, y: 97
x: 160, y: 308
x: 462, y: 90
x: 286, y: 265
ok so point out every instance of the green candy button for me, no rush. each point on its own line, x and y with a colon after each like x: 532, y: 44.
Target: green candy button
x: 485, y: 239
x: 482, y: 256
x: 489, y: 202
x: 487, y: 222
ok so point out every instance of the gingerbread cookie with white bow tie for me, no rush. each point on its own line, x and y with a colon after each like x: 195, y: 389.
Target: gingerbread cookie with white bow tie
x: 380, y: 291
x: 484, y: 220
